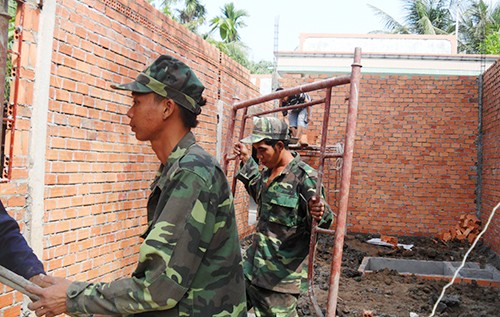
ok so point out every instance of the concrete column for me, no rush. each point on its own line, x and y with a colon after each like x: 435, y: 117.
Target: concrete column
x: 38, y: 131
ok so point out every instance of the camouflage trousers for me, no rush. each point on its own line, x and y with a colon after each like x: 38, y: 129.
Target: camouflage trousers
x: 268, y: 303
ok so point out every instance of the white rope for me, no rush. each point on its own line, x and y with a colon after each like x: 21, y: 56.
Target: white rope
x: 463, y: 261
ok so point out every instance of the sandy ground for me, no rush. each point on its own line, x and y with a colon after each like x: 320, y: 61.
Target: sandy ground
x: 388, y: 294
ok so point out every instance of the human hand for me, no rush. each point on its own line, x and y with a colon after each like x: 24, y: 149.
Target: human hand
x: 241, y: 150
x: 40, y: 280
x: 52, y: 300
x: 316, y: 208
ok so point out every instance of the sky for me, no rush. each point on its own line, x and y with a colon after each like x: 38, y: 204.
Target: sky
x: 302, y: 16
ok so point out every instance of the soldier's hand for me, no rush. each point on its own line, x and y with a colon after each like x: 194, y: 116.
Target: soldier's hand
x: 241, y: 150
x: 40, y: 280
x: 316, y: 208
x: 52, y: 300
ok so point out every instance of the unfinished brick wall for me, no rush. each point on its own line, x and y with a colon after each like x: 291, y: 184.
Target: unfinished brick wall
x: 414, y: 163
x: 97, y: 174
x: 490, y: 191
x: 414, y: 167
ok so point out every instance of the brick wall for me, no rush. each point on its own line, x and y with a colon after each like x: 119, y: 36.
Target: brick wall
x: 414, y: 160
x: 490, y: 191
x: 97, y: 174
x: 414, y: 166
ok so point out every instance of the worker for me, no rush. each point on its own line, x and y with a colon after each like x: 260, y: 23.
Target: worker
x: 190, y: 260
x: 15, y: 253
x: 298, y: 118
x: 287, y: 204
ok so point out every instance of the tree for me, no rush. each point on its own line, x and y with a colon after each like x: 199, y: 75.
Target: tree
x: 491, y: 44
x: 422, y: 17
x: 228, y: 23
x: 166, y: 6
x: 191, y: 13
x: 261, y: 67
x: 430, y: 17
x: 192, y: 16
x: 479, y: 24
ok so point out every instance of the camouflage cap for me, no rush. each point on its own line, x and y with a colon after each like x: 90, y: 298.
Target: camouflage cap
x: 169, y: 78
x: 267, y: 128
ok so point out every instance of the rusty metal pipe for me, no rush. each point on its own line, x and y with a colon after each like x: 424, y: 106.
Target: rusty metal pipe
x: 237, y: 159
x: 324, y: 137
x: 19, y: 33
x: 4, y: 43
x: 292, y: 91
x: 319, y: 184
x: 346, y: 168
x: 352, y: 114
x: 302, y: 105
x: 229, y: 141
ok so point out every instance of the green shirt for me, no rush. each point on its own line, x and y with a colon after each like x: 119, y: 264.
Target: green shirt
x: 280, y: 244
x: 190, y: 260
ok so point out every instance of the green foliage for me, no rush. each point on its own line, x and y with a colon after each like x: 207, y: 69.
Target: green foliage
x: 166, y: 6
x: 228, y: 23
x: 491, y: 44
x: 261, y: 67
x: 477, y: 21
x: 10, y: 43
x: 192, y: 14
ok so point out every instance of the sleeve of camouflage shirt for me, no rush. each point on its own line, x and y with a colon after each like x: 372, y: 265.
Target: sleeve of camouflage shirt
x: 169, y: 257
x: 308, y: 190
x: 250, y: 176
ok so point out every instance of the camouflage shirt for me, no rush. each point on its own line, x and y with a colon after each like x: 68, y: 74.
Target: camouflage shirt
x: 280, y: 244
x: 190, y: 260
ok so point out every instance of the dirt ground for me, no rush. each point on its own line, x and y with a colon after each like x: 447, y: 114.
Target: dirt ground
x: 388, y: 294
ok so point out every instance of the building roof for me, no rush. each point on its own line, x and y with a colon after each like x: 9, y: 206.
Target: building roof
x: 382, y: 53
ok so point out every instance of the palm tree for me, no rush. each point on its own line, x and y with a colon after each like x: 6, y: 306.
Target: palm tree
x: 193, y: 15
x: 165, y: 6
x: 422, y: 17
x: 429, y: 17
x: 228, y: 23
x: 480, y: 23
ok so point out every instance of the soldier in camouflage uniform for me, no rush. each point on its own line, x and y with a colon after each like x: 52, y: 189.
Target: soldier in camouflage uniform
x: 190, y: 260
x: 285, y: 192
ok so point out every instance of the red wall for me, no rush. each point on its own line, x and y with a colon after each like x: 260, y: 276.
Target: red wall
x: 97, y: 174
x: 415, y: 154
x: 490, y: 191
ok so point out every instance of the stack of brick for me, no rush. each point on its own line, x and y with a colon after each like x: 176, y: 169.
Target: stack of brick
x: 467, y: 228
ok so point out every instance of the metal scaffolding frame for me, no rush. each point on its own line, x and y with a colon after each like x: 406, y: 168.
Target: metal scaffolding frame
x: 346, y: 156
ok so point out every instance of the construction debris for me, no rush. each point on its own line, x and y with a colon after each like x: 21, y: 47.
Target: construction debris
x: 367, y: 313
x: 467, y: 228
x: 391, y: 240
x: 378, y: 241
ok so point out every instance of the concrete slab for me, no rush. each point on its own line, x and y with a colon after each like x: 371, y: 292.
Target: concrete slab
x: 487, y: 275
